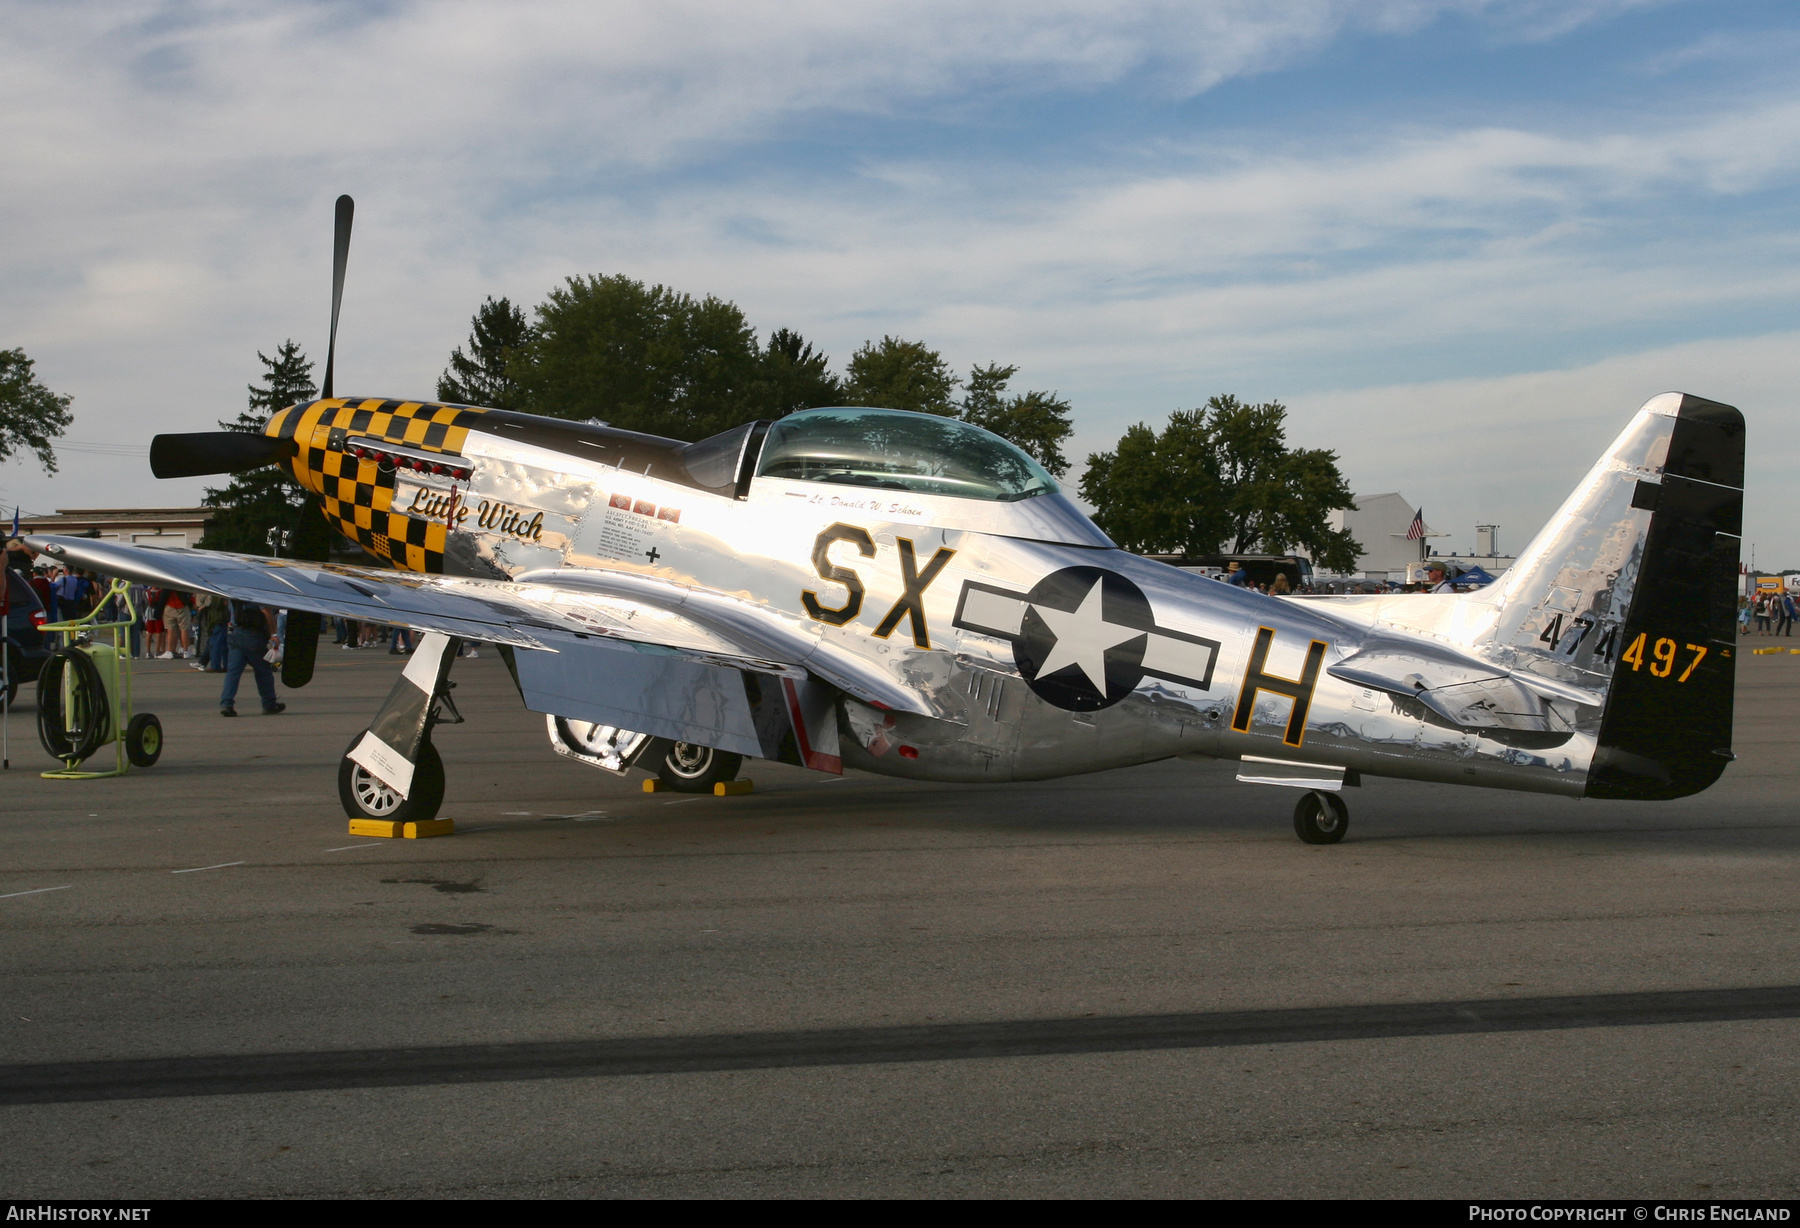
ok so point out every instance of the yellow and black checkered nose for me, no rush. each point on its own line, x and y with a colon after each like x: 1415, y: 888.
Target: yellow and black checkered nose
x: 358, y: 494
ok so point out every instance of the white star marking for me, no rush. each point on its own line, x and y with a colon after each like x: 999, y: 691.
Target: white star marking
x: 1082, y: 638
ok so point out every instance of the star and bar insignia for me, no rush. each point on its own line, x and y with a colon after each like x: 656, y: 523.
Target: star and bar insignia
x: 1083, y: 638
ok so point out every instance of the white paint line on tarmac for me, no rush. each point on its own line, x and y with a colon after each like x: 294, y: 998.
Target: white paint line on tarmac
x: 220, y: 866
x: 343, y: 847
x: 34, y: 891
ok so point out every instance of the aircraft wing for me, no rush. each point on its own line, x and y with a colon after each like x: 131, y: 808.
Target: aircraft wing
x: 580, y: 614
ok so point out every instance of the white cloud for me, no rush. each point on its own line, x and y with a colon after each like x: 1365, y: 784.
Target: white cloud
x: 261, y: 83
x: 1509, y: 450
x: 170, y: 169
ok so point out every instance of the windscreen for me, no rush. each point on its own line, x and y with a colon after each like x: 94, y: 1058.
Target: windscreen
x: 713, y: 462
x: 892, y: 449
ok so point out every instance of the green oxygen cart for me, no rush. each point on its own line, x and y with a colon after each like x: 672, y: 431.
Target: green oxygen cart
x: 84, y: 694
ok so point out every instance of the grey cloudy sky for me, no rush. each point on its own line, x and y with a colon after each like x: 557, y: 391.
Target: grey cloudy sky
x: 1463, y: 240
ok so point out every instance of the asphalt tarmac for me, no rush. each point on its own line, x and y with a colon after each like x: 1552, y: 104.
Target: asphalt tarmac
x: 1137, y: 983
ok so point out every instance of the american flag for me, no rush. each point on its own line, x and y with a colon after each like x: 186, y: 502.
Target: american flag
x: 1416, y: 530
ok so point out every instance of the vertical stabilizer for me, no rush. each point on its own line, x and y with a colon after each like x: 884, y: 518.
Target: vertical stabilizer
x: 1666, y: 731
x: 1624, y: 605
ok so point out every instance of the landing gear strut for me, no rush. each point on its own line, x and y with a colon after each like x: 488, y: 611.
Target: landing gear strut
x: 391, y: 773
x: 1321, y: 818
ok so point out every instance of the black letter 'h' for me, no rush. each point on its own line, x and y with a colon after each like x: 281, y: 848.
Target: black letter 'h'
x: 1301, y: 691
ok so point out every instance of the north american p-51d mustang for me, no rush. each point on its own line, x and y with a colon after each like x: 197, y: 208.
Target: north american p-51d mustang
x: 911, y: 595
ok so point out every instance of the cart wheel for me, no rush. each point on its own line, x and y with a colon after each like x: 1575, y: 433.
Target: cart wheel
x: 366, y: 797
x: 688, y: 768
x: 143, y: 739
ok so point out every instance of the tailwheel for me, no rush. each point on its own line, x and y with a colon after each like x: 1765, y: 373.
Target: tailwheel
x: 688, y: 768
x: 366, y: 797
x: 1321, y: 818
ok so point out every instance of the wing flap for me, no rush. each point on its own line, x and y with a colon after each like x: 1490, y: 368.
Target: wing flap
x: 756, y: 629
x: 664, y: 694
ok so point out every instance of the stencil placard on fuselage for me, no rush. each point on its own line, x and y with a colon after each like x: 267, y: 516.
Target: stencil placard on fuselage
x: 630, y: 530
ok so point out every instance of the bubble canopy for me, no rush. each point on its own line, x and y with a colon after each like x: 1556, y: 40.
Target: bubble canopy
x: 896, y: 449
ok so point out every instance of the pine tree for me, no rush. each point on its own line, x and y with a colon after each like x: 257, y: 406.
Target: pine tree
x: 498, y: 334
x: 268, y: 498
x: 797, y: 378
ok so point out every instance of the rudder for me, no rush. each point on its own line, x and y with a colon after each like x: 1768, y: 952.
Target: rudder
x: 1666, y: 728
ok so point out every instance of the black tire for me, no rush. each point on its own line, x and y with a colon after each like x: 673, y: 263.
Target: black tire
x: 143, y: 740
x: 92, y: 714
x: 688, y: 768
x: 365, y: 797
x: 1321, y: 818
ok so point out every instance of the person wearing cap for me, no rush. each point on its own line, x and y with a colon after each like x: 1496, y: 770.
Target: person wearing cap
x: 1438, y: 578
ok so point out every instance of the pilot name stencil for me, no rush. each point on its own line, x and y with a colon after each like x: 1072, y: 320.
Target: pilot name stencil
x: 1083, y: 638
x: 893, y: 509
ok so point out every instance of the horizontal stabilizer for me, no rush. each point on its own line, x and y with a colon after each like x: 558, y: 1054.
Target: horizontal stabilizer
x: 1460, y: 690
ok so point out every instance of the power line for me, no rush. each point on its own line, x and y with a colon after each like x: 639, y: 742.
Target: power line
x: 101, y: 449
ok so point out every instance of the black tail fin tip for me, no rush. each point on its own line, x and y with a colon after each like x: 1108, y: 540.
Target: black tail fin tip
x: 1666, y: 731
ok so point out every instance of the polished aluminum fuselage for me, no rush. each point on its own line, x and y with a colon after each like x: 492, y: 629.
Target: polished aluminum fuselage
x: 938, y: 593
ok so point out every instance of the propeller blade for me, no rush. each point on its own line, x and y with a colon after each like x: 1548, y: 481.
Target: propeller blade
x: 340, y: 256
x: 301, y: 649
x: 206, y: 452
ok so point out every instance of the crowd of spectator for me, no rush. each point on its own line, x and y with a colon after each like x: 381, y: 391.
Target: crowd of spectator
x: 1773, y: 613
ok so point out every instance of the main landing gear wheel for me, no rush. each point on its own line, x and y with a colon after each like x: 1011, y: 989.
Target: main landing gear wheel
x: 688, y: 768
x: 365, y: 797
x: 143, y: 739
x: 1321, y: 818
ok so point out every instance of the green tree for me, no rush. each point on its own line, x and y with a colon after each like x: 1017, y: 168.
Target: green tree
x: 30, y: 414
x: 498, y: 334
x: 796, y: 377
x: 269, y: 498
x: 1160, y: 493
x: 896, y: 374
x: 643, y: 358
x: 1037, y: 421
x: 1221, y: 479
